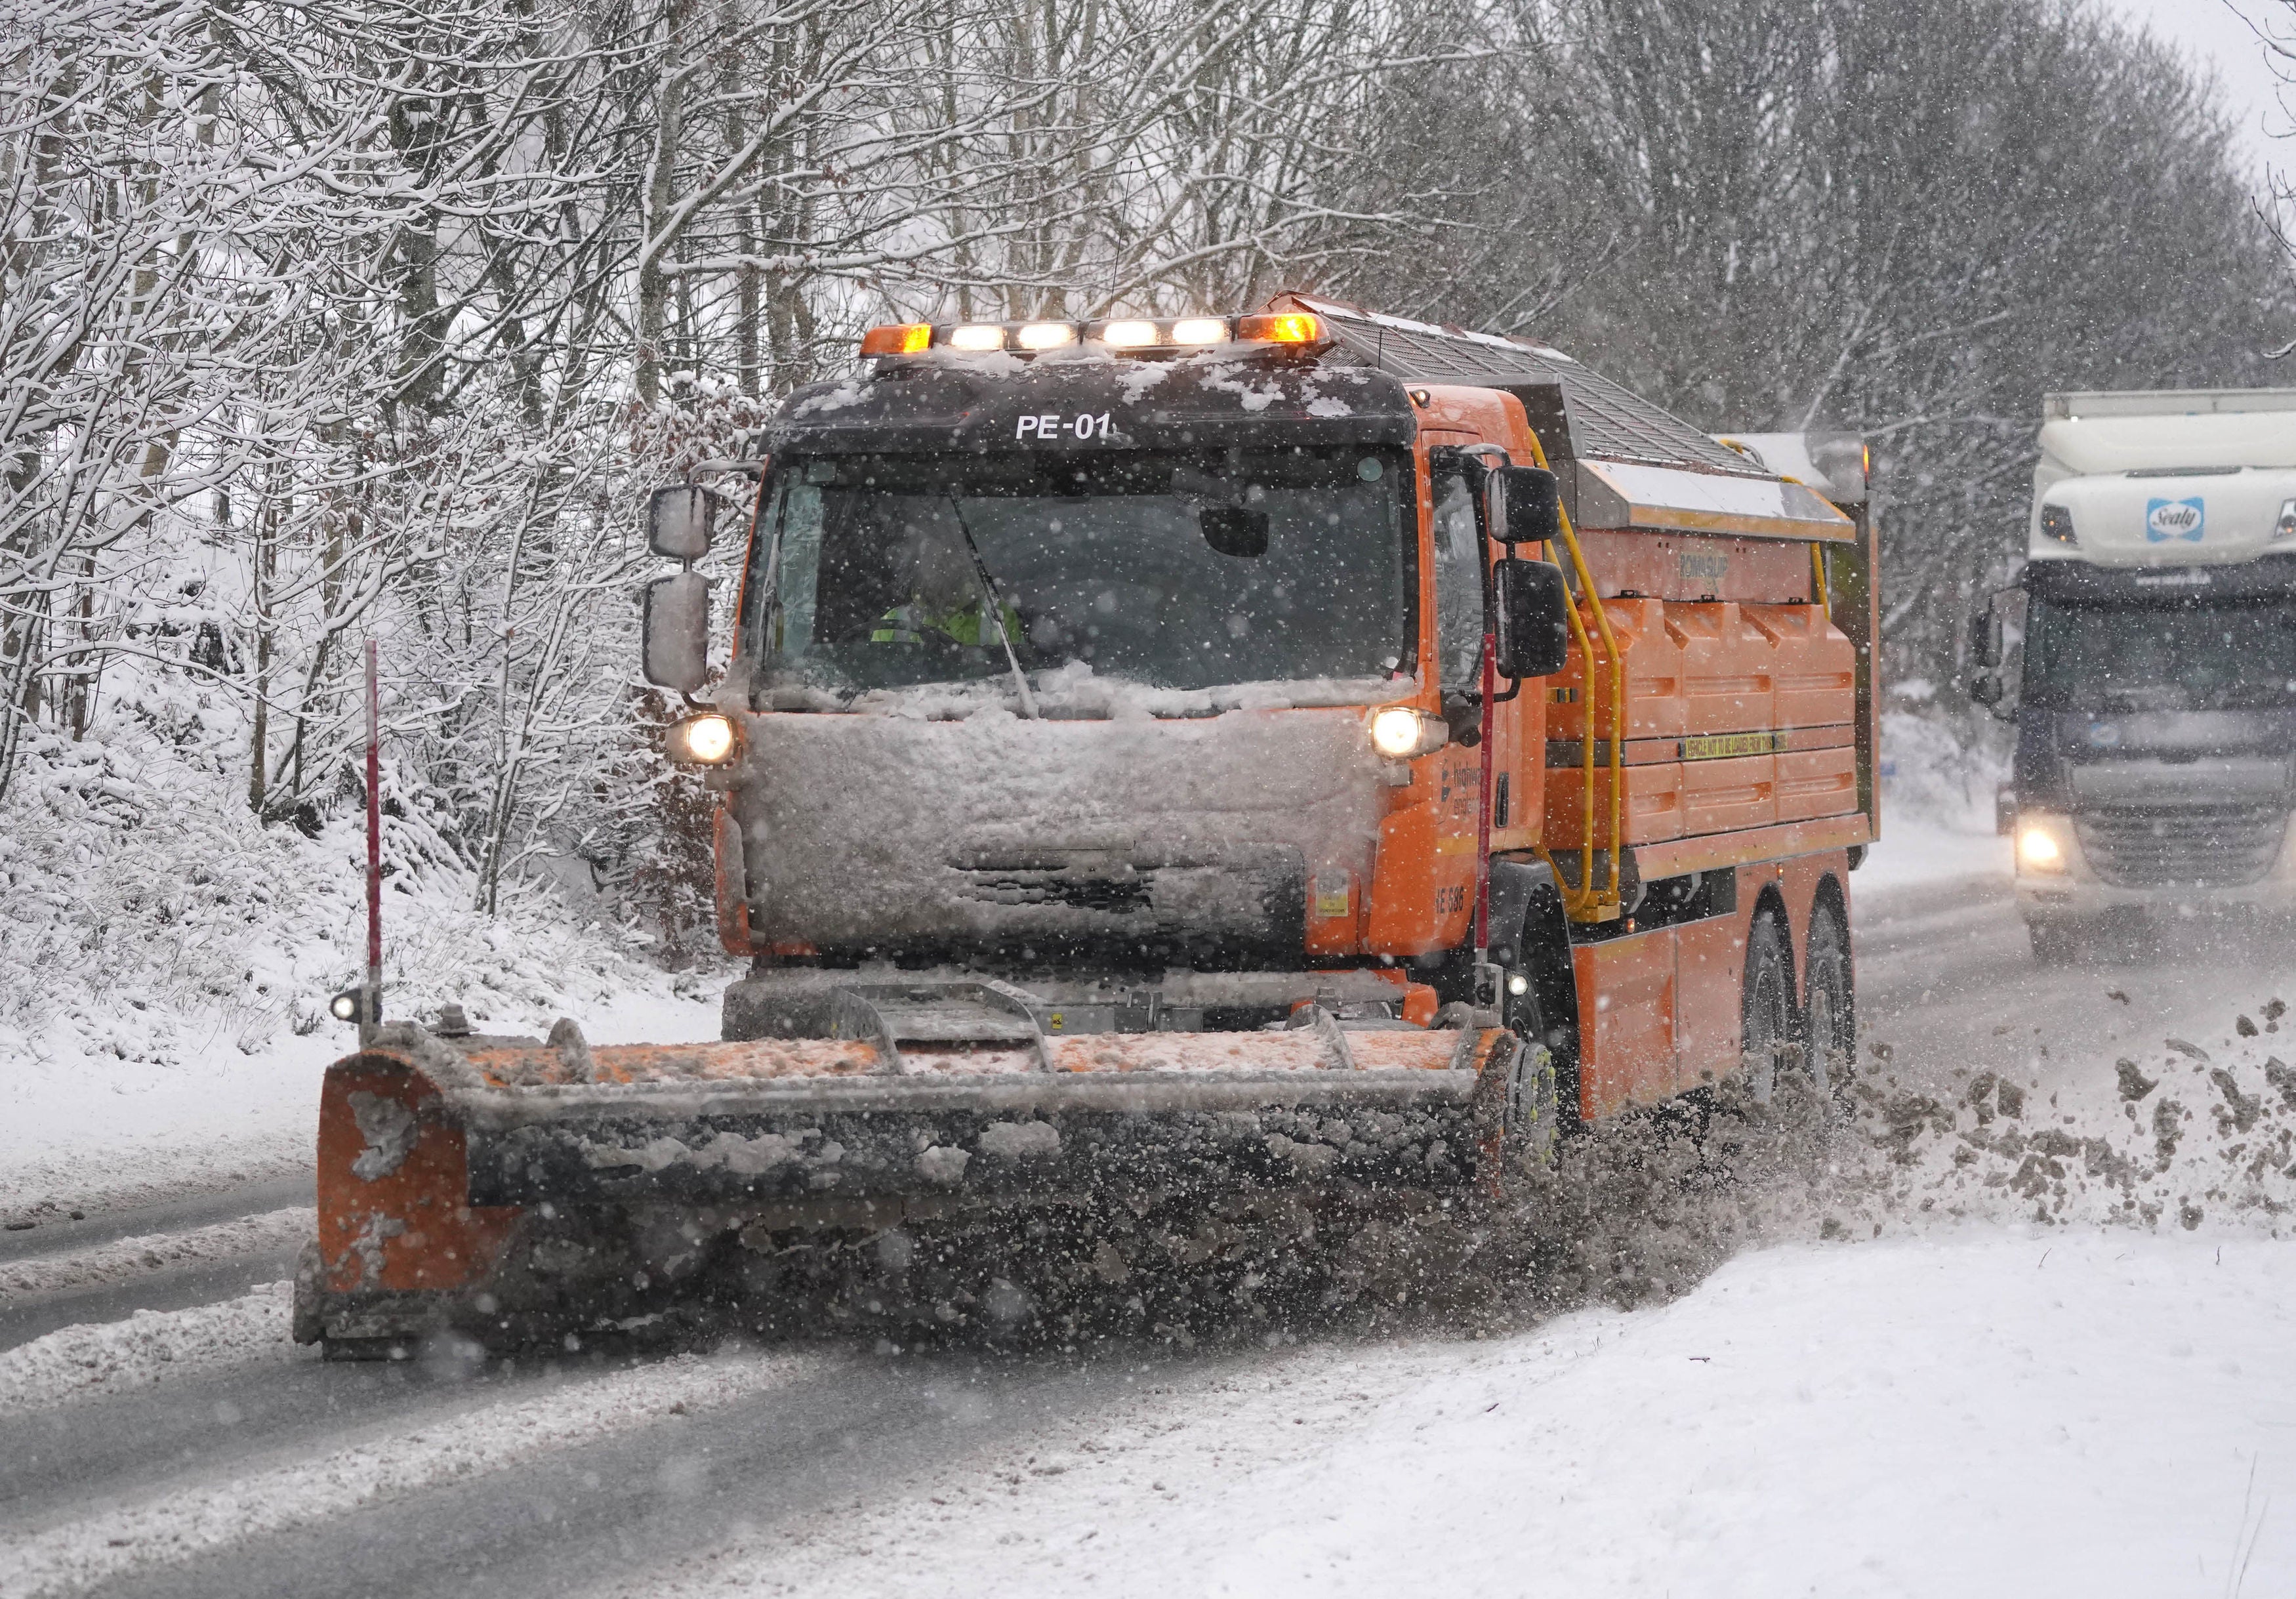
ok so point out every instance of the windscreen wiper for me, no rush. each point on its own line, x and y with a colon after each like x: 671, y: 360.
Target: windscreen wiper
x: 997, y: 608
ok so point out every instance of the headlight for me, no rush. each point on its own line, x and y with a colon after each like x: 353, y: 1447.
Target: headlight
x: 1399, y: 733
x: 2037, y: 848
x: 2283, y: 529
x: 2057, y: 523
x: 703, y: 741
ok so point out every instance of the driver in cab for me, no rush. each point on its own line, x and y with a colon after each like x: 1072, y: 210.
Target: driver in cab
x: 948, y: 598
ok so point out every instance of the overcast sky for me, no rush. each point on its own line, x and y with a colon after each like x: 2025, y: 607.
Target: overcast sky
x: 2223, y: 34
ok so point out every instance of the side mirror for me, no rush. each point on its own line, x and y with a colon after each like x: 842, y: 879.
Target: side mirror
x: 675, y: 639
x: 1988, y: 646
x: 1534, y: 609
x: 1985, y: 688
x: 1531, y: 502
x: 678, y: 522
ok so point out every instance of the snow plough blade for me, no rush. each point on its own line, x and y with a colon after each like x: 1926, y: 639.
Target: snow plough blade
x: 515, y: 1191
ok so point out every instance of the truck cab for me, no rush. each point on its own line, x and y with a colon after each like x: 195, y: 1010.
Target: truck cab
x: 1178, y: 671
x: 2148, y: 658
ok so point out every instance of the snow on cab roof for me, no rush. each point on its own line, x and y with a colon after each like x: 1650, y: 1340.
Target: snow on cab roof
x: 1576, y: 413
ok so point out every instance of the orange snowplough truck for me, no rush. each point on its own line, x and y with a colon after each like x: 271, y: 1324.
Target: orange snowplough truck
x: 1159, y: 756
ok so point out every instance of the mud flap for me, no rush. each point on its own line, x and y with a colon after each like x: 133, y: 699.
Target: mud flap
x: 1530, y: 933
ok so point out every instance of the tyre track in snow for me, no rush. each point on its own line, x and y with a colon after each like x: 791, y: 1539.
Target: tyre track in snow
x: 94, y: 1360
x: 182, y: 1525
x: 1945, y: 980
x: 821, y: 1447
x: 49, y: 1225
x: 139, y: 1256
x: 199, y: 1249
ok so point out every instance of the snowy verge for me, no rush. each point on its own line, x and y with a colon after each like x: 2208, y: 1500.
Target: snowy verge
x: 175, y: 1526
x: 166, y: 958
x: 1977, y: 1411
x: 1937, y: 806
x: 78, y: 1132
x: 1912, y: 851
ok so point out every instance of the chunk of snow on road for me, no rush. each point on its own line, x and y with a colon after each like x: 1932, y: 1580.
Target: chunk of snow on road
x: 98, y: 1360
x: 175, y: 1526
x: 128, y: 1258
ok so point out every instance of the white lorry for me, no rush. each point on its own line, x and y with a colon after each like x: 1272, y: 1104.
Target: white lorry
x: 2155, y: 690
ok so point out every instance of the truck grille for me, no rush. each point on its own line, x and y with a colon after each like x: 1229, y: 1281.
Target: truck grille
x: 1121, y: 896
x: 2210, y: 846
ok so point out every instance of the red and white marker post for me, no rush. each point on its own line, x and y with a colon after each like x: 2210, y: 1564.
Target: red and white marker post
x: 370, y: 1012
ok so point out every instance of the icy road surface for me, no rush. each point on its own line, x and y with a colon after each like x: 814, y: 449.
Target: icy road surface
x: 1995, y: 1395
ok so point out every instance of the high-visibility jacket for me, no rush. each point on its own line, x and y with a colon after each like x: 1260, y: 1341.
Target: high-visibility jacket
x: 970, y: 626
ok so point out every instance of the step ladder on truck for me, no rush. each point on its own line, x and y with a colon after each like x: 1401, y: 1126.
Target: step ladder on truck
x: 1306, y: 749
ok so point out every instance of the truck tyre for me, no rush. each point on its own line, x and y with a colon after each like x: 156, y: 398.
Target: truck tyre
x: 1531, y: 1120
x: 1829, y: 1015
x: 1766, y: 1035
x: 2054, y: 943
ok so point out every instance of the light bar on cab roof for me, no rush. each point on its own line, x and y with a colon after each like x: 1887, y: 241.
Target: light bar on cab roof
x: 1132, y: 335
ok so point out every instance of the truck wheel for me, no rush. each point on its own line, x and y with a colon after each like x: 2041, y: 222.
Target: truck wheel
x: 1532, y: 1115
x: 1766, y: 1035
x: 1829, y: 1025
x: 2054, y: 943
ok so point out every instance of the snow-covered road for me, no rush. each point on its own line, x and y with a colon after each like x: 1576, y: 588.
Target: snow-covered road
x: 1973, y: 1402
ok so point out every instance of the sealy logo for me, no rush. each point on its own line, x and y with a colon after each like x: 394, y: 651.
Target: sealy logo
x: 2166, y: 520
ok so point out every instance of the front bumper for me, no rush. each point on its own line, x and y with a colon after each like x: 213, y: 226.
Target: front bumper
x: 2204, y: 877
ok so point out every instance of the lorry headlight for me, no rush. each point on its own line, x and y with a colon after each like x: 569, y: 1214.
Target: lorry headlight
x: 2038, y: 849
x: 702, y: 741
x: 2057, y: 523
x: 1399, y: 733
x: 2283, y: 528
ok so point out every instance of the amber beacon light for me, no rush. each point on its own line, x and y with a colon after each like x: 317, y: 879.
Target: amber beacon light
x: 897, y: 339
x: 1280, y: 327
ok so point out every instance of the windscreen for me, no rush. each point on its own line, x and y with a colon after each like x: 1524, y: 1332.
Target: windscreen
x: 2191, y: 657
x: 1179, y: 570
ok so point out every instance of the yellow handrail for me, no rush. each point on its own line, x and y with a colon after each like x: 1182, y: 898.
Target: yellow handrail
x: 1578, y: 901
x: 1588, y: 902
x: 1599, y: 904
x: 1817, y: 577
